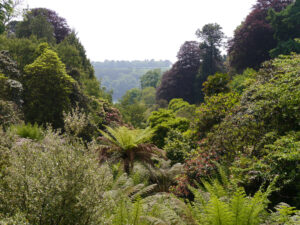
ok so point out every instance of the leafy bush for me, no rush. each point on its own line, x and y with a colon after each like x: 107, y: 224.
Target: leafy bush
x: 6, y: 143
x: 216, y: 84
x: 177, y: 147
x: 242, y: 81
x: 75, y: 122
x: 214, y: 110
x: 284, y: 214
x: 28, y: 130
x: 54, y: 182
x: 279, y: 158
x: 162, y: 121
x: 182, y: 108
x: 18, y: 218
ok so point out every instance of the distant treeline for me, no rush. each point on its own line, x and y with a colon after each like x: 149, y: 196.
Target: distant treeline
x: 133, y: 64
x: 120, y: 76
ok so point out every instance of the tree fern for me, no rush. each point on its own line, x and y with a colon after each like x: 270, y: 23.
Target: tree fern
x: 130, y: 146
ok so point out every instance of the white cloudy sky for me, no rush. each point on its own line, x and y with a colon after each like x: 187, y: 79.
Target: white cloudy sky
x: 143, y: 29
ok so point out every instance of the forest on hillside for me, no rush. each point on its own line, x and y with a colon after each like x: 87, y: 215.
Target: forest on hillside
x: 121, y: 76
x: 213, y: 140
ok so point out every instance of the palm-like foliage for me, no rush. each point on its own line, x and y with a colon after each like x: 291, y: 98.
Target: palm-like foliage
x: 129, y: 146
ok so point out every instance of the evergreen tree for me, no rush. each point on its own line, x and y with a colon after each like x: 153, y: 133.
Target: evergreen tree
x: 47, y: 89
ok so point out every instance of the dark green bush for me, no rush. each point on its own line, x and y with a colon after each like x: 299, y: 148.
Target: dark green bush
x: 177, y: 147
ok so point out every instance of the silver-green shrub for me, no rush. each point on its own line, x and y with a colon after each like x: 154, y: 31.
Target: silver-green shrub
x: 53, y: 182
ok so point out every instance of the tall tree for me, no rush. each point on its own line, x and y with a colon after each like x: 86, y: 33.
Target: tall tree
x: 6, y: 10
x: 44, y: 17
x: 11, y: 87
x: 286, y: 26
x: 151, y: 78
x: 211, y: 36
x: 253, y: 39
x: 47, y: 90
x: 178, y: 82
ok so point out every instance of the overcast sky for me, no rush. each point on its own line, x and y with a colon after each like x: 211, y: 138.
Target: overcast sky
x: 143, y: 29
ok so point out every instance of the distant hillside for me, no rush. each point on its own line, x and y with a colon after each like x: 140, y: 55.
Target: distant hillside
x: 121, y: 76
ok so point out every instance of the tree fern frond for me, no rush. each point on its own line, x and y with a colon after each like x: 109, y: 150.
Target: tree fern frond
x: 144, y: 191
x: 154, y: 220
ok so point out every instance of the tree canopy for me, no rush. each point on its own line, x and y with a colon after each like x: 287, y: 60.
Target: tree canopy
x: 253, y: 39
x: 47, y: 87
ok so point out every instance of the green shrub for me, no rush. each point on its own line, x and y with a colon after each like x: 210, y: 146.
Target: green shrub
x: 182, y: 108
x: 177, y: 147
x: 241, y: 81
x: 18, y: 219
x: 284, y: 214
x: 214, y: 110
x: 257, y: 135
x: 53, y: 182
x: 162, y: 121
x: 47, y: 90
x: 216, y: 84
x: 28, y: 130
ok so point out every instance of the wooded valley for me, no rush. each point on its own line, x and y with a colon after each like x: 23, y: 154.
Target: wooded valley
x: 211, y: 139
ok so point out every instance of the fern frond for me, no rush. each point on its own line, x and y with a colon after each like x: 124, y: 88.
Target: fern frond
x: 254, y: 208
x: 218, y: 212
x: 144, y: 191
x: 238, y: 205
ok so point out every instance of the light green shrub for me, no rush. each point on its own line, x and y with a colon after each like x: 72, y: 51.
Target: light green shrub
x: 28, y: 130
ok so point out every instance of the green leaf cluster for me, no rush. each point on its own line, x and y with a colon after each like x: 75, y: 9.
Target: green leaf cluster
x: 163, y: 121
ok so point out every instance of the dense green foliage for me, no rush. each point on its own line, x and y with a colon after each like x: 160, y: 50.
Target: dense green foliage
x: 67, y: 156
x: 151, y: 78
x: 47, y: 88
x: 215, y: 84
x: 286, y: 25
x: 6, y: 12
x: 43, y: 23
x: 163, y: 121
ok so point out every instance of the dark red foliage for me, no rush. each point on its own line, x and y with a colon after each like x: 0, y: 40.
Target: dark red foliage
x: 196, y: 168
x: 112, y: 116
x: 61, y: 28
x: 178, y: 82
x: 181, y: 188
x: 254, y: 38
